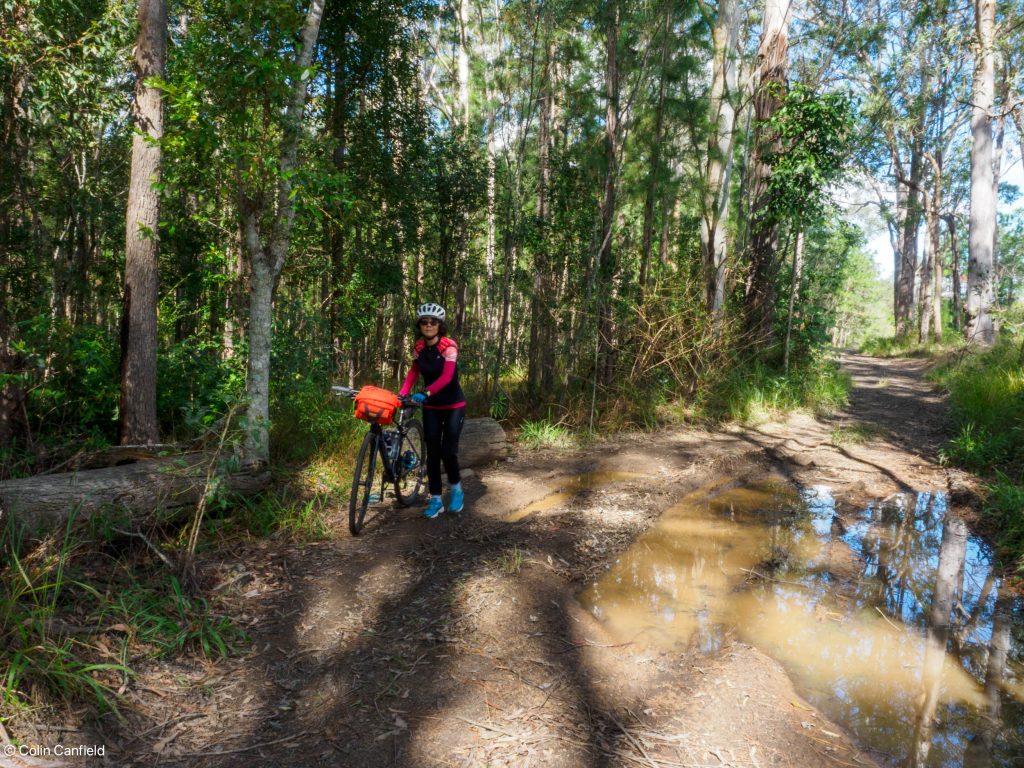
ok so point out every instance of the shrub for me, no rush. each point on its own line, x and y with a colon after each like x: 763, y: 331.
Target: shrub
x: 758, y: 392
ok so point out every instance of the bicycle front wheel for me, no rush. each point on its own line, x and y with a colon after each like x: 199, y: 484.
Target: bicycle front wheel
x: 410, y: 464
x: 362, y: 483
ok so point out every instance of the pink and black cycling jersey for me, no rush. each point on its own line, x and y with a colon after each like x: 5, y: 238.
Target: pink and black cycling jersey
x: 437, y: 365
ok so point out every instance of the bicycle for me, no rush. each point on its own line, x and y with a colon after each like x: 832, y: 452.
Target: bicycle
x: 402, y: 451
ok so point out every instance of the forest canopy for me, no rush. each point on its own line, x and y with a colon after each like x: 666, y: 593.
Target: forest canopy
x: 210, y: 207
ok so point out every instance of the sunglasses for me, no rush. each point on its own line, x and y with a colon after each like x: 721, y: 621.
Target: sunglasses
x: 428, y: 321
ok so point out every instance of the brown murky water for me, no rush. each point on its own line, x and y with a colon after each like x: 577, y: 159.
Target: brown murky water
x: 891, y: 620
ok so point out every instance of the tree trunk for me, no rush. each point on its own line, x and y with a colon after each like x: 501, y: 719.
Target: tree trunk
x: 13, y: 149
x: 773, y: 54
x: 954, y: 247
x: 981, y: 237
x: 897, y: 254
x: 146, y: 489
x: 981, y: 750
x: 538, y: 377
x: 999, y: 129
x: 927, y: 258
x: 506, y: 305
x: 138, y: 322
x: 654, y: 170
x: 463, y: 62
x: 715, y: 213
x: 339, y: 124
x: 606, y: 266
x: 907, y: 289
x: 268, y: 260
x: 934, y: 234
x: 794, y: 287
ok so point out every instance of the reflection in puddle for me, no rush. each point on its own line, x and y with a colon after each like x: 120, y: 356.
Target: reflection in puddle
x: 564, y: 488
x: 892, y: 621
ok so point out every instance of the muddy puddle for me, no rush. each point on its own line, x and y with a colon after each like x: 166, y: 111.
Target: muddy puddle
x: 565, y: 488
x: 890, y: 619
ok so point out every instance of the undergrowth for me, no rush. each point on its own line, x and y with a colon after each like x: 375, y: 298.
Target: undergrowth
x: 77, y: 619
x: 909, y: 346
x: 758, y: 392
x: 286, y: 511
x: 544, y: 434
x: 987, y: 404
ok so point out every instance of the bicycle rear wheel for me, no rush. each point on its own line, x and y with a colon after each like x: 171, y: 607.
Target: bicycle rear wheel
x: 410, y: 464
x: 362, y: 483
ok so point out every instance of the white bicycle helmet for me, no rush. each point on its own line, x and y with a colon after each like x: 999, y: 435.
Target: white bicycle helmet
x: 430, y: 310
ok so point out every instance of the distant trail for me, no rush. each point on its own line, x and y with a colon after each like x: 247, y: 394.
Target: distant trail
x: 894, y: 394
x: 886, y: 440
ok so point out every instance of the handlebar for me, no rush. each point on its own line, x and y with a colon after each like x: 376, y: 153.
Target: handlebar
x: 406, y: 400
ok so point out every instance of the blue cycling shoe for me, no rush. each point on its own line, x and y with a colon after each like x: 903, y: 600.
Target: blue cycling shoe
x: 434, y: 508
x: 455, y: 502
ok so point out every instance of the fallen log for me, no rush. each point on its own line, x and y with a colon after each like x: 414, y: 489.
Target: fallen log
x: 43, y: 502
x: 482, y: 441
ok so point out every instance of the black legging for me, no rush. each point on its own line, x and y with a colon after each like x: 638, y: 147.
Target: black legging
x: 441, y: 429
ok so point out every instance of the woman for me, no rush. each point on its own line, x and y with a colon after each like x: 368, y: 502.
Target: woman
x: 444, y: 404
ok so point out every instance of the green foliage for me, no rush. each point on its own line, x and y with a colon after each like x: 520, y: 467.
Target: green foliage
x: 35, y: 652
x: 307, y: 420
x: 1011, y: 258
x: 756, y: 393
x: 544, y: 434
x: 895, y: 346
x: 886, y: 345
x: 171, y: 622
x: 987, y: 400
x: 70, y: 630
x: 284, y: 512
x: 1003, y: 504
x: 863, y: 307
x: 510, y: 561
x: 78, y: 392
x: 195, y: 387
x: 814, y: 131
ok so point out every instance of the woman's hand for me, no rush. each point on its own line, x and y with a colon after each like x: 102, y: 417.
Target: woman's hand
x: 419, y: 398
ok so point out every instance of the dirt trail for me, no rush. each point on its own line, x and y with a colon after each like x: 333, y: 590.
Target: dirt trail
x: 459, y: 642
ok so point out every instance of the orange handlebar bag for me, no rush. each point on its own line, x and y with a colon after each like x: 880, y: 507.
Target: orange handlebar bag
x: 376, y: 405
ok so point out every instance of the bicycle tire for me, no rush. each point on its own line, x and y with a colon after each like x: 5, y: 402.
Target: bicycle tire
x: 362, y: 480
x: 412, y: 440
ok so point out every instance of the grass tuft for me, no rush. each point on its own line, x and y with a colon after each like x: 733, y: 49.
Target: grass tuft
x: 510, y: 562
x: 544, y: 434
x: 282, y: 511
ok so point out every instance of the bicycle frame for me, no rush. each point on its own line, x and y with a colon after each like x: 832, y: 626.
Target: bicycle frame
x: 396, y: 467
x: 389, y: 463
